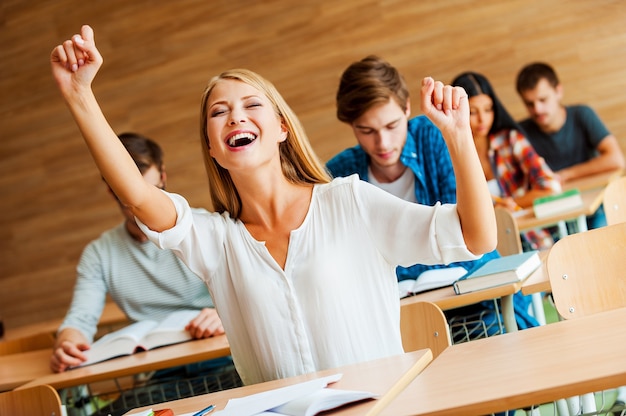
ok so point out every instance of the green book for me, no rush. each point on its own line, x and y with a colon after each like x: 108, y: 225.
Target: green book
x: 548, y: 206
x: 497, y: 272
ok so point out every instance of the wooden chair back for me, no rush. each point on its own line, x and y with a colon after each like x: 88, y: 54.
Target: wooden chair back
x: 587, y: 273
x: 614, y: 201
x: 34, y: 342
x: 509, y: 241
x: 39, y: 400
x: 423, y: 325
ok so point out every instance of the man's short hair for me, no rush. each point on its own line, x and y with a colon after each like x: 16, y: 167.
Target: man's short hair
x: 144, y: 151
x: 367, y: 83
x: 531, y: 74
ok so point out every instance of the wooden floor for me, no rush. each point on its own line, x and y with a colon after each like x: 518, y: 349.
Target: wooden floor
x: 159, y: 55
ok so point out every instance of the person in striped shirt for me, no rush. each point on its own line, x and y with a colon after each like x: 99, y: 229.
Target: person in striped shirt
x: 144, y: 281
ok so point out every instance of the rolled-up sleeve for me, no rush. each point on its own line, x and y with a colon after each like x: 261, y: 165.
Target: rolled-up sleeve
x: 170, y: 239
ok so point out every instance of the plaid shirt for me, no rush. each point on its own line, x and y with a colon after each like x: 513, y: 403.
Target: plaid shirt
x: 516, y: 165
x: 518, y: 169
x: 426, y: 154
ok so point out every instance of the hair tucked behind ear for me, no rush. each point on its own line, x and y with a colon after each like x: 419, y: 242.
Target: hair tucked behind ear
x: 299, y: 163
x: 477, y: 84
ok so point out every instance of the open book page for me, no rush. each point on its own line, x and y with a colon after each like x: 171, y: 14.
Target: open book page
x: 319, y: 401
x: 430, y: 279
x: 142, y: 335
x: 261, y: 402
x: 169, y: 331
x: 121, y: 342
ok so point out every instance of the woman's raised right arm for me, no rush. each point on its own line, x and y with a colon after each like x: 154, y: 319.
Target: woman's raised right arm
x: 74, y: 66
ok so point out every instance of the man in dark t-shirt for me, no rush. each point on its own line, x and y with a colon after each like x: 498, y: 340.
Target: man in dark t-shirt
x: 572, y: 139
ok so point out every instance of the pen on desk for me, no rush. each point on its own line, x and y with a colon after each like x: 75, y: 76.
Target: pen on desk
x: 205, y: 411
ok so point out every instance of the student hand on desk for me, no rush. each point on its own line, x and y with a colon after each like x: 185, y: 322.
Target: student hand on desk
x: 68, y: 350
x: 507, y: 203
x: 206, y: 324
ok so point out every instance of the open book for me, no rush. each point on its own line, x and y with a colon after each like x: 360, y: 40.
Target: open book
x: 141, y: 336
x: 429, y: 280
x: 303, y: 399
x: 498, y: 272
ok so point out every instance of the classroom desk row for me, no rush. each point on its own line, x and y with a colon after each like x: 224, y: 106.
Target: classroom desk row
x: 510, y: 371
x: 31, y: 368
x: 27, y: 367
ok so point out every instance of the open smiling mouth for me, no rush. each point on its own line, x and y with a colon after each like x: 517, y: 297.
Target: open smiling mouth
x: 241, y: 139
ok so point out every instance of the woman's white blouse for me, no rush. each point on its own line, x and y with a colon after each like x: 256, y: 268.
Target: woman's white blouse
x: 336, y: 302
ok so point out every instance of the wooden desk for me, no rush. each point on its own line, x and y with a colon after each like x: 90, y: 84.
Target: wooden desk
x: 446, y: 299
x: 592, y: 192
x: 111, y: 315
x: 510, y: 371
x: 376, y: 376
x: 35, y: 366
x: 600, y: 180
x: 592, y: 199
x: 524, y: 368
x: 17, y: 369
x: 32, y: 369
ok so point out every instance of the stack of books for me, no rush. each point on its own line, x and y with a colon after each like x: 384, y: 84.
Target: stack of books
x: 498, y: 272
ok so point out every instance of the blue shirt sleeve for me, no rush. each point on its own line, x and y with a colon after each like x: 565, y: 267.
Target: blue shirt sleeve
x: 348, y: 162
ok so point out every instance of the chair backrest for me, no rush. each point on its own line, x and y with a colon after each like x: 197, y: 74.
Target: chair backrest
x: 587, y: 271
x: 509, y: 241
x: 615, y: 201
x: 39, y: 341
x: 423, y: 325
x: 38, y: 400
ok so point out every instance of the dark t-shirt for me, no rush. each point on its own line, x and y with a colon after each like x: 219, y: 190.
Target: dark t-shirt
x: 574, y: 143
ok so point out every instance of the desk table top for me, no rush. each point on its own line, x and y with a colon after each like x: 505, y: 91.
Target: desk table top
x: 376, y: 376
x: 20, y: 368
x: 592, y: 199
x: 529, y: 367
x: 446, y: 299
x: 592, y: 192
x: 599, y: 180
x: 159, y: 358
x: 509, y: 371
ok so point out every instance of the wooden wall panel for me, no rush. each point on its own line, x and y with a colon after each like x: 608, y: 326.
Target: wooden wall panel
x: 159, y: 55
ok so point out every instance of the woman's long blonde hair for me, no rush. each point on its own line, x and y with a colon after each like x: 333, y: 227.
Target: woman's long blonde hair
x: 299, y: 163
